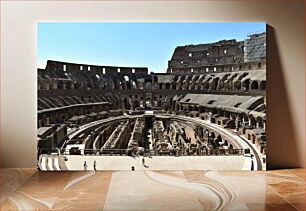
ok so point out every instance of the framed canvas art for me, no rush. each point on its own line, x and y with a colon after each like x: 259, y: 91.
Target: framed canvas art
x: 151, y: 96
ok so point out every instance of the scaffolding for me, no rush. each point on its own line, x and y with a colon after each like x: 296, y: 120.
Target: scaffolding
x: 255, y: 47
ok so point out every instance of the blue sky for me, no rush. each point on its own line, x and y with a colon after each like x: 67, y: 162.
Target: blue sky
x: 130, y: 44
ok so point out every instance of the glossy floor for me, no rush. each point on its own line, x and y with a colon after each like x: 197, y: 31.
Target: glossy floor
x: 28, y: 189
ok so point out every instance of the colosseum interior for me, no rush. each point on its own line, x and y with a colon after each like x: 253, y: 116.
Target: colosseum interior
x: 208, y: 111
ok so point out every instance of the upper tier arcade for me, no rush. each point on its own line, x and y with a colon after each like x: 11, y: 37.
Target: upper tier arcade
x: 224, y: 55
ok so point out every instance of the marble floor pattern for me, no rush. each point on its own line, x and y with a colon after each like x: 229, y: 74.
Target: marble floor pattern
x: 29, y: 189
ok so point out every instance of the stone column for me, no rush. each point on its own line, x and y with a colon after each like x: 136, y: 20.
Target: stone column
x: 249, y: 121
x: 237, y: 122
x: 264, y: 125
x: 257, y: 124
x: 209, y: 117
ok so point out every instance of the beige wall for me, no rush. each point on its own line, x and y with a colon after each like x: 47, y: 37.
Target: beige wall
x: 286, y: 62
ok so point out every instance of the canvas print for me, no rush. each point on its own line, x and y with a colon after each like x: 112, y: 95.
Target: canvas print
x: 151, y: 96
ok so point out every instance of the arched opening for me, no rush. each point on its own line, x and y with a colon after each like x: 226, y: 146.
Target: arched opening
x: 118, y: 84
x: 127, y: 82
x: 211, y: 138
x: 196, y: 108
x: 69, y: 85
x: 218, y: 141
x: 89, y: 85
x: 60, y: 85
x: 259, y: 122
x: 126, y: 103
x: 167, y: 86
x: 252, y: 121
x: 148, y: 85
x: 238, y: 85
x: 212, y: 135
x: 129, y: 85
x: 216, y: 83
x: 220, y: 85
x: 254, y: 85
x: 246, y: 84
x: 136, y: 104
x: 206, y: 85
x: 76, y: 85
x: 63, y: 119
x: 263, y: 85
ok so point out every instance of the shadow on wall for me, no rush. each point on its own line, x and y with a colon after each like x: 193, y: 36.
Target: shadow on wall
x: 281, y: 140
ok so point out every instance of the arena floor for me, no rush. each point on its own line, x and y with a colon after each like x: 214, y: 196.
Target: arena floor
x: 76, y: 162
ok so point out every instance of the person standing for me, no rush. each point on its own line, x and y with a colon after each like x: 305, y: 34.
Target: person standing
x: 85, y: 165
x: 143, y: 163
x: 94, y: 165
x: 252, y: 163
